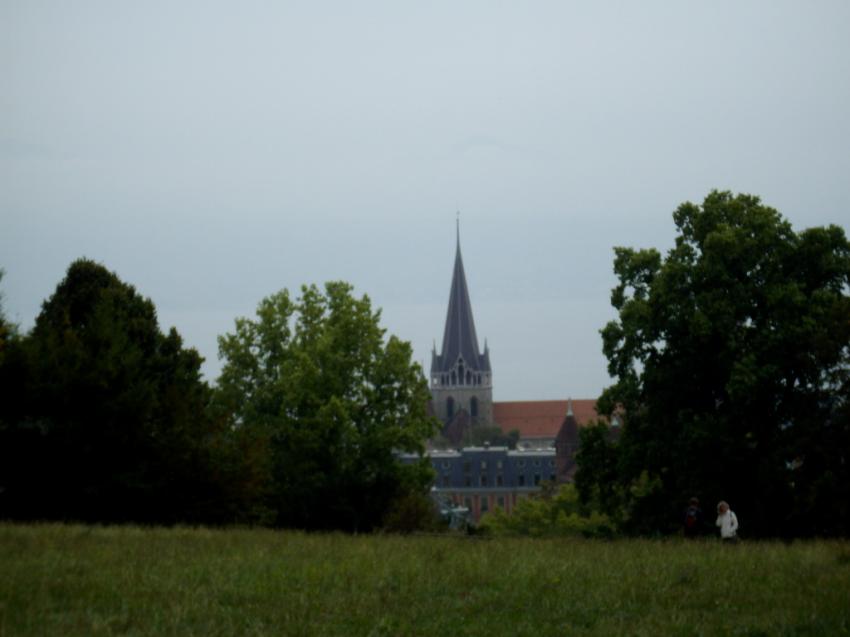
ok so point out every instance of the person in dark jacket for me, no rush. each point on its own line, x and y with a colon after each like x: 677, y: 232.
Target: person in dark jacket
x: 693, y: 519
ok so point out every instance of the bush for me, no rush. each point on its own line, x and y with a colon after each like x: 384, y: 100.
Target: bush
x: 555, y: 511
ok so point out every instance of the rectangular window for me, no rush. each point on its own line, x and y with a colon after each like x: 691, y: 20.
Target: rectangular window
x: 536, y: 479
x: 483, y: 479
x: 483, y: 465
x: 467, y: 466
x: 467, y: 502
x: 551, y: 477
x: 499, y: 464
x: 499, y: 480
x: 467, y: 481
x: 447, y: 480
x: 501, y: 502
x: 521, y: 479
x: 485, y: 504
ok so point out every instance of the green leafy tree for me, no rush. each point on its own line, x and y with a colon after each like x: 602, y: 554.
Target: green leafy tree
x: 731, y: 359
x: 107, y: 418
x: 554, y: 512
x: 337, y: 402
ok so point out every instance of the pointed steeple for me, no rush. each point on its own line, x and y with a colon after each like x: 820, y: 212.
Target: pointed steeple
x: 459, y: 337
x: 566, y: 445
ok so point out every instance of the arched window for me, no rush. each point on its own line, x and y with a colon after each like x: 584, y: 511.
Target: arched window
x: 450, y: 407
x: 468, y: 378
x: 473, y: 407
x: 460, y: 372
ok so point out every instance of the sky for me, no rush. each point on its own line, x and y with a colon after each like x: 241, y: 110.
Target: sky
x: 213, y: 153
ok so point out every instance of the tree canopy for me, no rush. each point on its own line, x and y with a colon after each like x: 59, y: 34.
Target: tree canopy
x: 7, y: 329
x: 731, y: 358
x: 105, y: 417
x: 556, y: 511
x: 336, y: 401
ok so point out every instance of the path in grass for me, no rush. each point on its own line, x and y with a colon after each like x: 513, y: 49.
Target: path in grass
x: 76, y: 580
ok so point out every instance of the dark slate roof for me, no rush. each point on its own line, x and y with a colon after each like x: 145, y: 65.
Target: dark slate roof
x: 459, y: 338
x: 519, y: 470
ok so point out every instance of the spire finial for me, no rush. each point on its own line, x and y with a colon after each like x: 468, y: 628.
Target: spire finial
x: 570, y: 407
x: 457, y: 227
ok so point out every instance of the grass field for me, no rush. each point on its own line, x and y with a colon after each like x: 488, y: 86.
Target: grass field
x: 78, y: 580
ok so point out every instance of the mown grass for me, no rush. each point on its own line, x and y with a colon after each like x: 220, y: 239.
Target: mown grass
x: 79, y: 580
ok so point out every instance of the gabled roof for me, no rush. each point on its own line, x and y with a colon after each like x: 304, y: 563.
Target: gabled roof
x: 541, y: 418
x: 459, y: 338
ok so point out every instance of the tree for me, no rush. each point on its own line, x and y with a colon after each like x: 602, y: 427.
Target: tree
x: 337, y: 402
x: 554, y: 512
x: 731, y: 359
x: 107, y: 416
x: 7, y: 329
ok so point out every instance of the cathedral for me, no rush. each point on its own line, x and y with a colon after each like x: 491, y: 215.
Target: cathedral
x: 461, y: 378
x: 481, y: 478
x: 461, y: 383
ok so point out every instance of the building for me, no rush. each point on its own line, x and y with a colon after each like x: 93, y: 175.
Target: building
x: 483, y: 478
x: 539, y: 421
x: 461, y: 377
x: 461, y: 380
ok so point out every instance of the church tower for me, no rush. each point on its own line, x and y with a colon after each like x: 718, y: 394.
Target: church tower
x: 461, y: 378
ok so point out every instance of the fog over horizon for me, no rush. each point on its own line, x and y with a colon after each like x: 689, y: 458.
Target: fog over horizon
x: 214, y: 153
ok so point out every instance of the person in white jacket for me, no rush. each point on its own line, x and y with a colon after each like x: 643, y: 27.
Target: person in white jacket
x: 728, y: 522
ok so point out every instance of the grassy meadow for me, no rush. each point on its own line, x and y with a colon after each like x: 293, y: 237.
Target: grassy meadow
x: 82, y: 580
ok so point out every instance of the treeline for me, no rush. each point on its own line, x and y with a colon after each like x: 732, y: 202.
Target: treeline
x: 105, y: 418
x: 731, y: 360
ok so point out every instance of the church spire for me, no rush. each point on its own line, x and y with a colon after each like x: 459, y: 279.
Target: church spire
x: 459, y: 337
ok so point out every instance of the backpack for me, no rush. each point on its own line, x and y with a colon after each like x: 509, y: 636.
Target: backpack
x: 692, y: 519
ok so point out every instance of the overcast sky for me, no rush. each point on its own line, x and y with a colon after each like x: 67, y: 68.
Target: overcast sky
x: 212, y: 153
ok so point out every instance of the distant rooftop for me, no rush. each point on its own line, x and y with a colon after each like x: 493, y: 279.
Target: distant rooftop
x: 541, y: 418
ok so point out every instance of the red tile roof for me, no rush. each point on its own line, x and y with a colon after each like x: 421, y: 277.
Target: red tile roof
x: 540, y: 418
